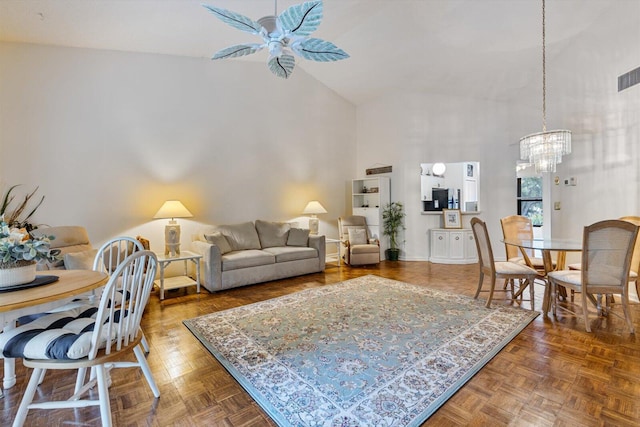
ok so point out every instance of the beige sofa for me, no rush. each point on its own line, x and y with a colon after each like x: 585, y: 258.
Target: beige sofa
x: 247, y: 253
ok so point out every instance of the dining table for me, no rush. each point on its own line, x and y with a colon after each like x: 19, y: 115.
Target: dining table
x: 546, y: 247
x: 28, y: 300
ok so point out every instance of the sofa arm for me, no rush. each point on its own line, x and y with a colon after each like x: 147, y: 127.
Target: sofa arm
x: 319, y: 244
x: 210, y: 266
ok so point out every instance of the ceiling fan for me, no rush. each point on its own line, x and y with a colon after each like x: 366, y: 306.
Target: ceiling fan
x: 283, y: 35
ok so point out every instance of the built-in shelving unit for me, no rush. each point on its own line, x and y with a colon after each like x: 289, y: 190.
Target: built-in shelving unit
x: 368, y: 198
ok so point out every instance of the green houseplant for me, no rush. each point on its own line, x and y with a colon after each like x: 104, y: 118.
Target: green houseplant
x: 392, y: 222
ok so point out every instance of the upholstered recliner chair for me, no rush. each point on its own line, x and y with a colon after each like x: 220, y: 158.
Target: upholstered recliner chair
x: 359, y: 249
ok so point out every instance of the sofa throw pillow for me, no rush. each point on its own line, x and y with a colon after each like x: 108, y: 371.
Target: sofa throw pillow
x: 241, y: 236
x: 272, y: 234
x: 357, y: 236
x: 298, y: 237
x: 80, y: 260
x: 216, y: 238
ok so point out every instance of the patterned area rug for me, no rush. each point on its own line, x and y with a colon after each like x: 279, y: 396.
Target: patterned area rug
x: 365, y: 352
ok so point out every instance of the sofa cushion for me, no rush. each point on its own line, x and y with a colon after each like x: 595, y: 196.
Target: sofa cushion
x: 292, y: 253
x: 298, y: 237
x: 246, y: 258
x: 272, y: 234
x: 80, y: 260
x: 241, y: 236
x: 218, y: 239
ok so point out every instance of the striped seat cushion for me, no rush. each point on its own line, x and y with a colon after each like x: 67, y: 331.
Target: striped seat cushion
x: 60, y: 335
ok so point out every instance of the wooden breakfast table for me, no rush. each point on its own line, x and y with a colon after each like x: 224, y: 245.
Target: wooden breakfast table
x: 22, y: 302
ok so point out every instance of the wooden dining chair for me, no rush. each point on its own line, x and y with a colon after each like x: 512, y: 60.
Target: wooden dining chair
x: 635, y: 260
x: 89, y: 337
x: 507, y: 270
x: 607, y: 249
x: 518, y: 227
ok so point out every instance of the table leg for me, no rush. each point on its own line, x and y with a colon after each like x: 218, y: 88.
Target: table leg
x: 9, y: 364
x: 161, y: 280
x: 197, y: 263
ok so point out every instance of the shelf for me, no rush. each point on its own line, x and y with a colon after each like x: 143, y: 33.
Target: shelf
x: 440, y: 213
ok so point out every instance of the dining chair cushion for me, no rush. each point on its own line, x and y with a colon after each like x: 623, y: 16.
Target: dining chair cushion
x: 536, y: 262
x: 506, y: 267
x: 61, y: 335
x: 574, y: 277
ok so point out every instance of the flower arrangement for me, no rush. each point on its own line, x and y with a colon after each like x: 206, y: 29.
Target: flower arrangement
x: 15, y: 216
x: 18, y: 248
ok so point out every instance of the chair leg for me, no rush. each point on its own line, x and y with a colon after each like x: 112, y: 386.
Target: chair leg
x: 103, y: 392
x: 479, y: 285
x: 146, y: 370
x: 27, y: 398
x: 627, y: 314
x: 493, y: 286
x: 585, y: 310
x: 145, y: 343
x: 553, y: 298
x: 82, y: 373
x: 532, y: 281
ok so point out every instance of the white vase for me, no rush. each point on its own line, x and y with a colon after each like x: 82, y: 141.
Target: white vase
x: 17, y: 275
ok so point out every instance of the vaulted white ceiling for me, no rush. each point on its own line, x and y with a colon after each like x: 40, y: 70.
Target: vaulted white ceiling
x: 480, y: 48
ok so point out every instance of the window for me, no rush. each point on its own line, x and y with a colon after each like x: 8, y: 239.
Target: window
x: 530, y: 199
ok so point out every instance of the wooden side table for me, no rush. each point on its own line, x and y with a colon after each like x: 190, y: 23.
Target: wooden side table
x: 338, y: 244
x: 178, y: 281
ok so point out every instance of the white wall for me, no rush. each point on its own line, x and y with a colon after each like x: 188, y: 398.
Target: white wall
x: 407, y: 129
x: 109, y: 136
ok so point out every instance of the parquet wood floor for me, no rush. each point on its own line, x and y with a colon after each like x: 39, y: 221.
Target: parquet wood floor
x: 554, y: 373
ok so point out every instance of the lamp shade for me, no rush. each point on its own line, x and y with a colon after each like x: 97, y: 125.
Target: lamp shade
x: 313, y: 208
x: 173, y: 209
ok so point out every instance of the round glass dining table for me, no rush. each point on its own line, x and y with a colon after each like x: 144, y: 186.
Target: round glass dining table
x: 546, y: 246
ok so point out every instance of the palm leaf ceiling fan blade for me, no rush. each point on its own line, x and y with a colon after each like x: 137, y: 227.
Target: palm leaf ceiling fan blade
x: 289, y: 30
x: 302, y: 19
x: 237, y: 50
x: 319, y: 50
x: 282, y: 66
x: 235, y: 20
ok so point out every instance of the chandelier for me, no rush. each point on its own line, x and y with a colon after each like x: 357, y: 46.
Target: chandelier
x: 545, y: 149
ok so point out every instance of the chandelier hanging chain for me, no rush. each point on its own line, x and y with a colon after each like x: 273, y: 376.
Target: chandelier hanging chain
x: 544, y: 72
x: 545, y: 149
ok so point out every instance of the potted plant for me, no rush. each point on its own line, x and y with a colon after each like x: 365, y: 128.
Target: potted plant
x: 392, y: 222
x: 19, y: 250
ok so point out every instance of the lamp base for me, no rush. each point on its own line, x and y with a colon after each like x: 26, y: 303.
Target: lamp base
x: 313, y: 225
x: 172, y: 239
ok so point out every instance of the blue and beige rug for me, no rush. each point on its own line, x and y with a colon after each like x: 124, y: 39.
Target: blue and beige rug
x: 365, y: 352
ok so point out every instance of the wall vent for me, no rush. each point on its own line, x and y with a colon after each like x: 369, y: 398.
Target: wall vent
x: 629, y: 79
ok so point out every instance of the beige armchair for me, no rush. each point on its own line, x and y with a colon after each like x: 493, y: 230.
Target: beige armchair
x: 359, y: 248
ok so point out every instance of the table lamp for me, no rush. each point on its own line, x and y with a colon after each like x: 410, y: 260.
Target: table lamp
x: 172, y: 209
x: 314, y: 208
